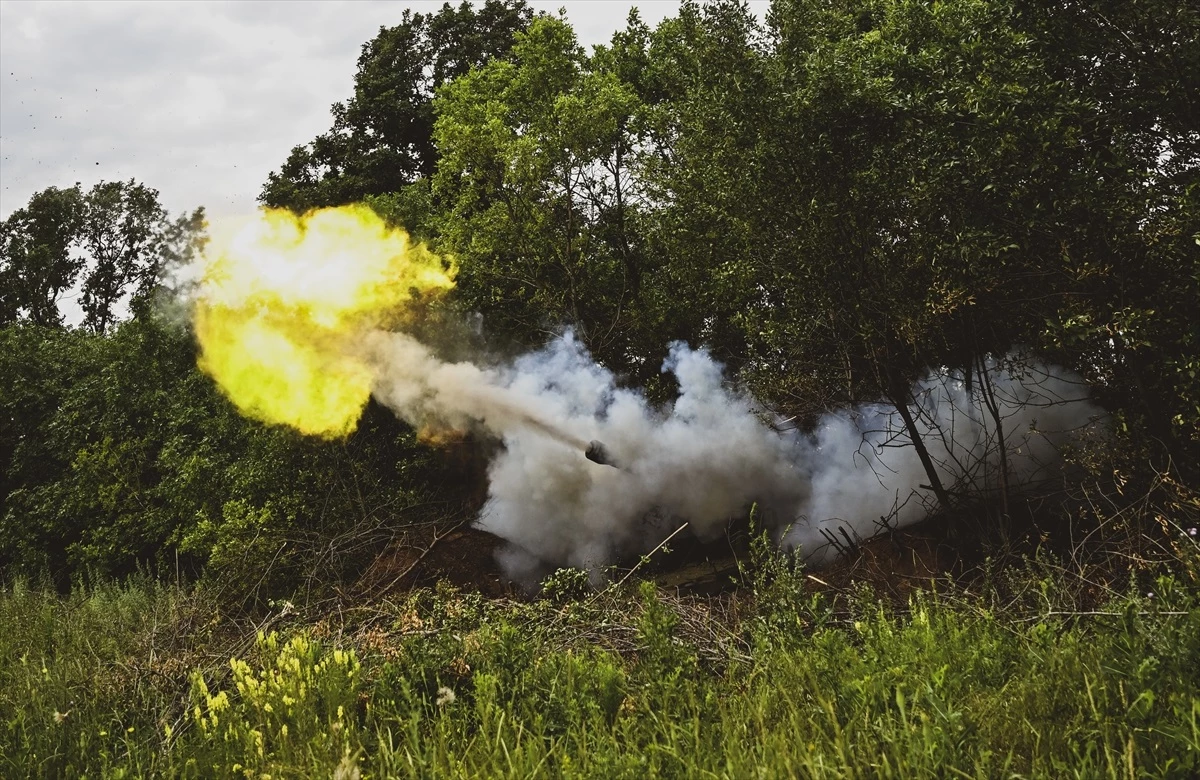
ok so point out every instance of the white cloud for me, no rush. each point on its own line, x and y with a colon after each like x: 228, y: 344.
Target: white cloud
x: 199, y: 100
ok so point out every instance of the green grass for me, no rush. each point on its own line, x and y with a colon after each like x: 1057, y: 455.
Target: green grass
x: 149, y: 680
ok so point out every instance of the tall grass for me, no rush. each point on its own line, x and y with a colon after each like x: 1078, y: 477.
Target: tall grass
x: 148, y: 680
x: 86, y: 680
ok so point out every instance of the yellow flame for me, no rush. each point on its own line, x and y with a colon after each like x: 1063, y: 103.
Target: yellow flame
x: 283, y: 300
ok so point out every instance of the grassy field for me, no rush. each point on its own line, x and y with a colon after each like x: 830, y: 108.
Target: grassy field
x: 145, y: 679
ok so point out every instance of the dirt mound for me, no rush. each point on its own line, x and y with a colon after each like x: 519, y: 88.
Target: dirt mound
x: 428, y: 553
x: 465, y: 557
x: 894, y: 564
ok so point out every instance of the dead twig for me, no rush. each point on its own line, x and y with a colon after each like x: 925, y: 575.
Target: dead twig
x: 437, y: 537
x: 648, y: 555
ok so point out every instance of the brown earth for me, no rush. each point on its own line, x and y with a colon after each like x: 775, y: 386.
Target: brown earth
x: 465, y: 557
x: 433, y: 552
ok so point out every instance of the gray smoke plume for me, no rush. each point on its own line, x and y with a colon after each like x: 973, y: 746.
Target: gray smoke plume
x: 865, y: 476
x: 708, y: 456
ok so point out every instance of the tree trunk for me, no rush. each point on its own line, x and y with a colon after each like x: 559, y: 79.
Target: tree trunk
x: 900, y: 396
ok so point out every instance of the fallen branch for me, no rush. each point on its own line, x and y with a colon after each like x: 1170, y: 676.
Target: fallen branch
x: 409, y: 569
x: 647, y: 556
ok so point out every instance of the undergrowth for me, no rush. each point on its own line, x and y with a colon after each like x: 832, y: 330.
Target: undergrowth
x: 144, y: 679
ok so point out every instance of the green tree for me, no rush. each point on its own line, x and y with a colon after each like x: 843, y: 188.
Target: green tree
x: 535, y: 193
x: 381, y: 139
x: 123, y: 234
x: 117, y: 452
x: 38, y: 263
x: 877, y: 188
x: 111, y: 243
x: 707, y: 83
x: 1129, y: 228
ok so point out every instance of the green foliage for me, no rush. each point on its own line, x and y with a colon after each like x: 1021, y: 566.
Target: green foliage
x: 535, y: 194
x: 777, y: 582
x: 112, y: 242
x: 833, y: 201
x: 566, y: 585
x: 381, y: 139
x: 81, y: 408
x: 287, y: 713
x: 896, y: 185
x: 119, y: 453
x: 709, y: 121
x: 36, y: 260
x: 445, y: 684
x: 90, y: 682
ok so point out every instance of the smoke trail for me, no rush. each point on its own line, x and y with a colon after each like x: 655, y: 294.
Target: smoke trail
x: 294, y: 317
x: 423, y: 389
x: 708, y: 456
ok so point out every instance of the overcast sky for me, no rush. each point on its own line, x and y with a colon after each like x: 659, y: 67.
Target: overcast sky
x: 200, y: 100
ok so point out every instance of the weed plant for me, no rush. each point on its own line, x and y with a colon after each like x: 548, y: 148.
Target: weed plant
x: 141, y: 680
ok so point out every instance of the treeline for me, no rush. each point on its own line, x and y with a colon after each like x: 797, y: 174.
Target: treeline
x: 832, y: 199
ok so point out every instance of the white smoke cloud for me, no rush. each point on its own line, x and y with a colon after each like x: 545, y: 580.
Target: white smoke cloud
x: 708, y: 456
x: 865, y: 475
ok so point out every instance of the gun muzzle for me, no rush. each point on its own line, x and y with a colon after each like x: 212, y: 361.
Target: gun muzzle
x: 597, y: 453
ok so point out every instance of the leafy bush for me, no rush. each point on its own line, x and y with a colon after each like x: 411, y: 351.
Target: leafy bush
x: 295, y: 708
x: 115, y: 681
